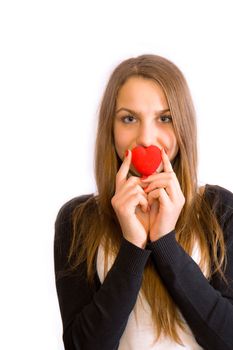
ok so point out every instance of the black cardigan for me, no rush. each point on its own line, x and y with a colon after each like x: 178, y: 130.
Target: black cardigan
x: 95, y: 316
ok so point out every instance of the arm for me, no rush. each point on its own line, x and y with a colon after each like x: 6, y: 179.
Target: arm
x: 95, y: 316
x: 206, y: 306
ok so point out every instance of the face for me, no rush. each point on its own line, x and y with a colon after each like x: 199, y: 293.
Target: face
x: 143, y: 118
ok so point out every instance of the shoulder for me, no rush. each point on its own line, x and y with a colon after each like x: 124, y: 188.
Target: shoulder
x: 64, y: 230
x: 64, y: 219
x: 66, y: 211
x: 221, y: 200
x: 219, y: 194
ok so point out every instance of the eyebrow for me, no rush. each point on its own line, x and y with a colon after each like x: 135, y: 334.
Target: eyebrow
x: 133, y: 112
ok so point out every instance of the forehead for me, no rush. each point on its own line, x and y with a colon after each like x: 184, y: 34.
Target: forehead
x: 140, y: 90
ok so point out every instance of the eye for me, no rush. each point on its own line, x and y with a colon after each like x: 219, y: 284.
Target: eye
x: 129, y: 119
x: 166, y: 119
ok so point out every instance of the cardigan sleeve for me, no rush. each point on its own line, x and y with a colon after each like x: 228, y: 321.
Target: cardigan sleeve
x: 206, y: 305
x: 94, y: 316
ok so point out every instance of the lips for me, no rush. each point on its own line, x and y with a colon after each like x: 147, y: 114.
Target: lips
x: 146, y: 160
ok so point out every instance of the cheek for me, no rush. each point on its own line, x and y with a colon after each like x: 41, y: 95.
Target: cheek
x: 174, y: 147
x: 120, y: 141
x: 171, y: 138
x: 170, y: 142
x: 122, y: 137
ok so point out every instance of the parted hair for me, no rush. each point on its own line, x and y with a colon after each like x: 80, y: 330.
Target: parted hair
x: 95, y: 221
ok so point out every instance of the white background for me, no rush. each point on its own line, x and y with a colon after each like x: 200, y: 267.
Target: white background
x: 56, y: 57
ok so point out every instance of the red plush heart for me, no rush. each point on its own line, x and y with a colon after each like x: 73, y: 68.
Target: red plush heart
x: 146, y: 159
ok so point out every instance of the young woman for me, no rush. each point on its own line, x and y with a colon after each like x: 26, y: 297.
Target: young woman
x: 146, y: 263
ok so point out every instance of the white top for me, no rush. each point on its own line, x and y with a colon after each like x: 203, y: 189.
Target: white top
x: 139, y: 333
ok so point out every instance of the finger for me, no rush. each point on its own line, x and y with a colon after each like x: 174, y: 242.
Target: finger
x: 121, y: 176
x: 160, y: 168
x: 166, y: 162
x: 138, y: 200
x: 154, y: 208
x: 144, y: 204
x: 164, y: 180
x: 160, y: 194
x: 170, y: 188
x: 141, y: 196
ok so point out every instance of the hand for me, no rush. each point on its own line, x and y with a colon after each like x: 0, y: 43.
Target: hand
x: 165, y: 199
x: 130, y: 205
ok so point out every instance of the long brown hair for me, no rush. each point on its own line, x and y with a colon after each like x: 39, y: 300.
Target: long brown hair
x: 95, y: 220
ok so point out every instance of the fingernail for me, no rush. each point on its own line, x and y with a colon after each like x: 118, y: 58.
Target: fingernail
x: 126, y: 153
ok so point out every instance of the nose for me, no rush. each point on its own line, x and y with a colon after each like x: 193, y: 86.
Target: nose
x: 147, y: 135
